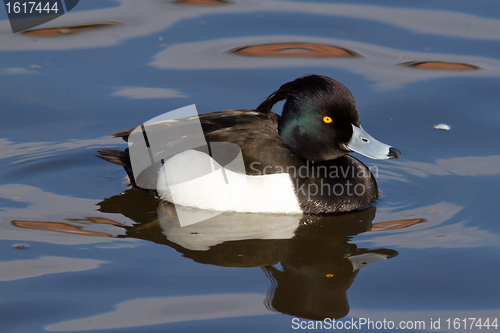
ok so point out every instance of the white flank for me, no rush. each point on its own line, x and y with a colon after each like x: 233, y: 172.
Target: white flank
x: 194, y: 179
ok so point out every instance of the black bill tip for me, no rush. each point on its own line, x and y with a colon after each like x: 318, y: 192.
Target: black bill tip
x: 394, y: 153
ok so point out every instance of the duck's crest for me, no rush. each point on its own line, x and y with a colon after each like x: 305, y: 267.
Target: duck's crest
x: 298, y: 88
x: 275, y: 97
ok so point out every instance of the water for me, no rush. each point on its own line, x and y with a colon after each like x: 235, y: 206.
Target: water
x: 100, y: 256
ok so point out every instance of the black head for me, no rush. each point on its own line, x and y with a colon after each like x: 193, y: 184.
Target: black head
x: 317, y: 117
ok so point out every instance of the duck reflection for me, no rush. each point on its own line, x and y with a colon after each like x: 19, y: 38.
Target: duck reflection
x: 318, y: 263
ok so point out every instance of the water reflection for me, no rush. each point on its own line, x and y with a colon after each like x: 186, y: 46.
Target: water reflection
x: 304, y: 50
x: 146, y: 18
x: 375, y: 63
x: 314, y: 280
x: 318, y: 262
x: 142, y: 18
x: 68, y: 30
x: 140, y: 312
x: 441, y: 65
x: 23, y: 269
x: 66, y: 228
x: 311, y: 261
x: 462, y: 166
x: 201, y: 2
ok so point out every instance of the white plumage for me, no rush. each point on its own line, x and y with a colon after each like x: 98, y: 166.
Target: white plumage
x: 194, y: 179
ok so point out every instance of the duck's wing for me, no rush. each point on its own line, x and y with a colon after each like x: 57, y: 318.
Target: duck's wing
x: 256, y: 133
x: 229, y: 121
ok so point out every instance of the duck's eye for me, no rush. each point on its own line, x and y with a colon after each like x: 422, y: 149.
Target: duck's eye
x: 327, y: 120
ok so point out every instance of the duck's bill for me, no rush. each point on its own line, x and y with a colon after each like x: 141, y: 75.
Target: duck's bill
x: 364, y: 144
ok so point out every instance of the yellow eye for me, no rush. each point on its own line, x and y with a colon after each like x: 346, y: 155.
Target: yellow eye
x: 327, y: 120
x: 329, y: 275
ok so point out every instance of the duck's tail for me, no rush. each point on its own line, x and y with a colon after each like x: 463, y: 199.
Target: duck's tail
x: 121, y: 158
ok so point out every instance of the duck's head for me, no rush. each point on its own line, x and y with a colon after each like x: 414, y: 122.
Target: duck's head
x: 320, y: 120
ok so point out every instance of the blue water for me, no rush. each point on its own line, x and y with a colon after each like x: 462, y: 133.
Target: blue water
x: 98, y: 256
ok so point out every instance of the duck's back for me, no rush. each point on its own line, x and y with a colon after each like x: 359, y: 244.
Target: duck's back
x: 256, y: 133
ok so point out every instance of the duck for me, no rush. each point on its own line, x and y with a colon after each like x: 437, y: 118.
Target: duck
x: 296, y: 162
